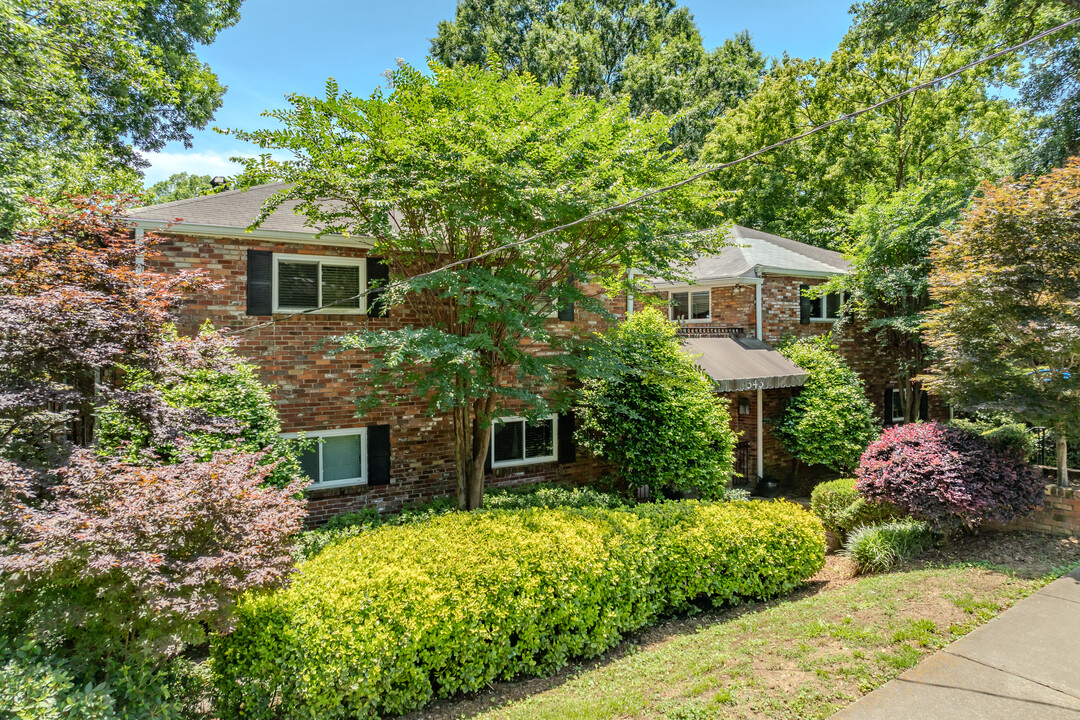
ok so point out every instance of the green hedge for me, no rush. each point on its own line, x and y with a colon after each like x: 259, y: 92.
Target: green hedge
x: 384, y: 622
x: 842, y: 509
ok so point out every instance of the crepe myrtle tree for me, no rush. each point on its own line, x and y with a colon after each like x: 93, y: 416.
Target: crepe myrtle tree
x: 1007, y: 332
x: 453, y: 165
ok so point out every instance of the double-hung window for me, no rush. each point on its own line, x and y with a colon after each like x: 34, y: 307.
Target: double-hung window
x: 897, y: 406
x: 689, y: 305
x: 336, y: 458
x: 309, y: 282
x: 823, y: 309
x: 517, y: 441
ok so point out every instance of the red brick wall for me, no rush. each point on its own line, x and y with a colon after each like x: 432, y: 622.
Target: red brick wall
x: 316, y: 392
x: 1059, y: 515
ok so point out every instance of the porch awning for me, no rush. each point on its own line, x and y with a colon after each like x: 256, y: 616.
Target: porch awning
x: 743, y: 364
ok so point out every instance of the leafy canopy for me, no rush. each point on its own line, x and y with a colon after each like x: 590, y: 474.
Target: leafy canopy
x: 647, y: 51
x: 178, y: 186
x: 653, y: 413
x: 456, y: 164
x: 829, y: 421
x: 956, y: 131
x: 1007, y: 279
x: 85, y: 84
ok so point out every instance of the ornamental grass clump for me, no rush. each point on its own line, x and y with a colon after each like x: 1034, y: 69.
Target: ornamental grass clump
x: 384, y: 622
x: 879, y: 548
x: 948, y: 477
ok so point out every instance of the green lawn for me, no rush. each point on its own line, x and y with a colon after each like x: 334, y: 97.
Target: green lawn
x: 802, y: 657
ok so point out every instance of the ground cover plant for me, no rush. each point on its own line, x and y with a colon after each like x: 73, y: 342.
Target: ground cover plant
x: 800, y: 658
x: 948, y: 477
x: 385, y: 622
x: 877, y: 548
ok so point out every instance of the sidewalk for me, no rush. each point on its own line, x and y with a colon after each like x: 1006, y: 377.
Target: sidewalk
x: 1025, y: 663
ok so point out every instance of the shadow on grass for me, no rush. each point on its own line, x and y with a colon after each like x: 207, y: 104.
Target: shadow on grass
x: 504, y: 693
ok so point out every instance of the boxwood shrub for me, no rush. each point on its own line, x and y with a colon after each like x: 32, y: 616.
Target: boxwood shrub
x: 842, y: 509
x: 383, y: 622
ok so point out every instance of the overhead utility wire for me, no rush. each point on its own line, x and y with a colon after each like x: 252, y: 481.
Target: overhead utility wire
x: 685, y: 181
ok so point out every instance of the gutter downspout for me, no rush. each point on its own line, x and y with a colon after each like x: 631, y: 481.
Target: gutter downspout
x: 630, y: 293
x: 760, y: 411
x: 140, y: 259
x: 757, y: 313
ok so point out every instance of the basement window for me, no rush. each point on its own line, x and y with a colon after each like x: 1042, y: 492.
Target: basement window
x: 517, y: 441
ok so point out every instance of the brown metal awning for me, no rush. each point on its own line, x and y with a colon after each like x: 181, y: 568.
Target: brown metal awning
x: 743, y: 364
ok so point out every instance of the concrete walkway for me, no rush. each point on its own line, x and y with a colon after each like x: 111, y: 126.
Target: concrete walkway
x: 1025, y: 663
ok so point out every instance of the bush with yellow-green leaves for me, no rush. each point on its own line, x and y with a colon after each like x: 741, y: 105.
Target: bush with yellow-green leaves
x: 384, y: 622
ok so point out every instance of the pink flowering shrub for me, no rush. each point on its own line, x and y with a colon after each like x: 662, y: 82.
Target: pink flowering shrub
x: 947, y: 476
x: 126, y: 561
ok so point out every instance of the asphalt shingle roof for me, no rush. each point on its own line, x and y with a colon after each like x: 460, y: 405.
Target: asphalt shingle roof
x: 228, y: 209
x: 750, y: 249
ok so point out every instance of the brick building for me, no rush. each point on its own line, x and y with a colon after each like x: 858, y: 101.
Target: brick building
x: 747, y: 294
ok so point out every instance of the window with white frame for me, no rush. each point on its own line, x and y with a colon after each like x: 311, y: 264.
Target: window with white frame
x: 826, y: 308
x: 689, y: 305
x: 336, y: 458
x: 897, y: 406
x: 517, y: 441
x: 306, y: 282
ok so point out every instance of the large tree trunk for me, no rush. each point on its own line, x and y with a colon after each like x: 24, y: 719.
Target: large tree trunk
x: 462, y: 454
x: 472, y: 439
x: 1062, y: 447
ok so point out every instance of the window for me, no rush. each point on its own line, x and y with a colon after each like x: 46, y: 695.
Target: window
x: 517, y: 441
x: 336, y: 459
x: 690, y: 305
x: 897, y: 406
x: 827, y: 311
x: 306, y: 282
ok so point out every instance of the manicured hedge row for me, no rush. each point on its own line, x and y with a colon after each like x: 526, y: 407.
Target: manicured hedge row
x: 384, y: 622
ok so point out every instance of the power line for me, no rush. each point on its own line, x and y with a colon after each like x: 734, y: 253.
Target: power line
x: 685, y: 181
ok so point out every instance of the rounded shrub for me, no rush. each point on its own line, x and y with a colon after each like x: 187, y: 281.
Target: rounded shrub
x: 948, y: 477
x: 878, y: 548
x: 841, y: 509
x: 384, y: 622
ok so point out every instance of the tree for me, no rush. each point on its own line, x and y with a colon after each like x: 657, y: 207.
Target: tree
x: 828, y: 421
x: 74, y: 304
x: 1007, y: 279
x: 955, y: 131
x: 886, y: 287
x: 88, y: 83
x: 202, y: 375
x: 648, y: 51
x: 656, y: 417
x: 178, y: 186
x: 470, y: 160
x: 1048, y: 84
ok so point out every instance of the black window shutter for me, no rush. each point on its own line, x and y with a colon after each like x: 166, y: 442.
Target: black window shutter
x: 888, y: 406
x: 260, y: 278
x: 567, y: 447
x: 378, y: 275
x: 566, y: 312
x: 804, y: 306
x: 378, y: 448
x: 924, y: 406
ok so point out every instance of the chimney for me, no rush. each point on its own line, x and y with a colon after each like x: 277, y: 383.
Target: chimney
x: 218, y: 181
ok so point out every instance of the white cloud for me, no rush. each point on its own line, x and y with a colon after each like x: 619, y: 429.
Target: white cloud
x: 166, y: 163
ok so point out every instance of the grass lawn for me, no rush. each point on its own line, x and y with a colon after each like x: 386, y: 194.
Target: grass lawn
x: 805, y: 656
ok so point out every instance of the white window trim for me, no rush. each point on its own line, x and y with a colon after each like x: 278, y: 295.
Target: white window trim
x: 344, y: 482
x: 553, y: 457
x: 825, y: 309
x: 360, y: 263
x: 690, y: 304
x: 897, y: 406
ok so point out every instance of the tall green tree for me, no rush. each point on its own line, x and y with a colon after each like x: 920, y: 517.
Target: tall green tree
x: 649, y: 51
x: 1007, y: 332
x: 178, y: 186
x: 469, y: 160
x: 955, y: 131
x: 886, y: 288
x: 1049, y: 81
x: 87, y: 84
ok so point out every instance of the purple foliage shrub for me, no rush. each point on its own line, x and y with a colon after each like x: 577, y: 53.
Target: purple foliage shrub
x: 948, y: 477
x: 126, y: 561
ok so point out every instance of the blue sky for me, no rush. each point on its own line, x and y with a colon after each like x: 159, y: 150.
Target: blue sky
x: 285, y: 46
